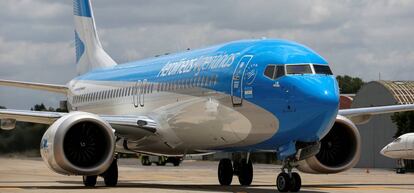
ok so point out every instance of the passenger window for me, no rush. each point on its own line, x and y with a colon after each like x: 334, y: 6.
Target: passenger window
x: 269, y: 71
x: 175, y: 85
x: 187, y: 83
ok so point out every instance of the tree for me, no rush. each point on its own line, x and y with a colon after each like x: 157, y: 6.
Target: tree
x: 38, y: 107
x: 404, y: 122
x: 349, y: 85
x: 25, y: 137
x: 2, y: 107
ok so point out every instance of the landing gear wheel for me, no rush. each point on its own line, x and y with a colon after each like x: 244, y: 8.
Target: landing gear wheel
x: 89, y: 181
x: 400, y: 171
x: 111, y: 175
x: 245, y: 172
x: 161, y: 162
x: 225, y: 172
x: 296, y: 182
x: 283, y: 182
x: 145, y: 161
x: 176, y: 162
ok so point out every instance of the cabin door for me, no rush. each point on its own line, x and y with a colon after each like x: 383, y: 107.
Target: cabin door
x: 237, y: 80
x: 139, y: 92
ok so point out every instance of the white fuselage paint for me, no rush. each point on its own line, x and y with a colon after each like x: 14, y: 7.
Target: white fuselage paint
x: 190, y: 120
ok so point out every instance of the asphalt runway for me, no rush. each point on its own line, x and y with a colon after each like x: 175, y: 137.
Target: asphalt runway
x: 32, y: 175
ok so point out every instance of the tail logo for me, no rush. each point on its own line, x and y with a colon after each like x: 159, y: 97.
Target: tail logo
x: 80, y: 47
x: 82, y: 8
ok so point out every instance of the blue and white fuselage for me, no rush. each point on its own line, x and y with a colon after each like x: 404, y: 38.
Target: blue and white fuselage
x: 243, y: 96
x: 250, y: 95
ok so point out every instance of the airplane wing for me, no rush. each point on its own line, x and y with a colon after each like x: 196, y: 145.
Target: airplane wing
x: 124, y: 125
x: 363, y: 115
x: 36, y: 86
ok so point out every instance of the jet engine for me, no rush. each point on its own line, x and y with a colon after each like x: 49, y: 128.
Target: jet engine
x: 339, y: 151
x: 78, y: 143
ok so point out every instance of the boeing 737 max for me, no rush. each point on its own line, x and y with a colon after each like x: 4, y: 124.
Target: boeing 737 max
x: 243, y: 96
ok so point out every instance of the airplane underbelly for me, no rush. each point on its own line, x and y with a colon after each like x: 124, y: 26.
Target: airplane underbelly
x: 189, y: 122
x: 211, y: 122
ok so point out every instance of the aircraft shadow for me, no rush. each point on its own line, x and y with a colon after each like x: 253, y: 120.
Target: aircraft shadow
x: 183, y: 187
x: 134, y: 184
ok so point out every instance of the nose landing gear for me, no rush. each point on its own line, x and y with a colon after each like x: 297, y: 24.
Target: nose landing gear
x: 288, y: 181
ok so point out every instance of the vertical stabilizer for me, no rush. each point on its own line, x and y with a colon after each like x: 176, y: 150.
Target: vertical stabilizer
x: 89, y: 52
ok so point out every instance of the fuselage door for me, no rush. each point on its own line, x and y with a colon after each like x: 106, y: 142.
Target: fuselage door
x: 136, y: 93
x: 143, y: 90
x: 237, y: 80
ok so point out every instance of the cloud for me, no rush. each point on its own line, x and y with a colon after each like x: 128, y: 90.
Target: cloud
x: 359, y: 38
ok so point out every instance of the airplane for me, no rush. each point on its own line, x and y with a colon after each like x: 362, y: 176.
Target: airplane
x: 256, y: 95
x: 401, y: 148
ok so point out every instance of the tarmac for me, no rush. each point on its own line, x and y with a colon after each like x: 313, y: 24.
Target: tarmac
x: 32, y: 175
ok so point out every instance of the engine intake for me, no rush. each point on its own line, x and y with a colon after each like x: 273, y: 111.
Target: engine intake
x: 79, y: 143
x: 339, y: 151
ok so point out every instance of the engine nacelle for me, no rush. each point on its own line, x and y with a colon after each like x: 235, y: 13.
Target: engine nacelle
x: 8, y: 124
x: 340, y: 150
x: 78, y: 143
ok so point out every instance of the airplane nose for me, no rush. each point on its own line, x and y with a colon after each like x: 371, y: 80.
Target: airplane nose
x: 326, y: 95
x: 320, y: 91
x: 316, y: 100
x: 384, y: 151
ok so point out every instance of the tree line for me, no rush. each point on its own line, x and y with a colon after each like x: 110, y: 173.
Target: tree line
x: 26, y: 137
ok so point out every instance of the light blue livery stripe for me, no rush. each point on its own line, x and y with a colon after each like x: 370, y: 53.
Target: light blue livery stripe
x: 82, y: 8
x: 80, y: 47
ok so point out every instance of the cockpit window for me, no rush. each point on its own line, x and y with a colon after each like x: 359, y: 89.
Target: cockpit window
x: 280, y: 71
x: 299, y: 69
x: 322, y: 69
x: 274, y: 71
x: 397, y: 140
x: 269, y: 71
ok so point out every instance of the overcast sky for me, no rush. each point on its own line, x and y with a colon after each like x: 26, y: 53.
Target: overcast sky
x: 358, y: 38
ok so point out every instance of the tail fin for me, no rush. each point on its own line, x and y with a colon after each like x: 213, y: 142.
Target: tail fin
x: 89, y: 52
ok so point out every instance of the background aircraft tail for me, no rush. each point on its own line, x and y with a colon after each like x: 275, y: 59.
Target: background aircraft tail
x: 89, y: 52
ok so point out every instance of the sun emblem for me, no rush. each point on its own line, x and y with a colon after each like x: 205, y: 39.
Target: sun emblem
x: 250, y: 74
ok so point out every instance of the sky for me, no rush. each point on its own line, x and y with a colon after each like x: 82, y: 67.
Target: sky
x: 362, y: 38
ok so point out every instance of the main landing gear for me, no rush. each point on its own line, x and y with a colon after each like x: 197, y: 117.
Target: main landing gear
x: 288, y: 181
x: 110, y: 176
x: 242, y: 168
